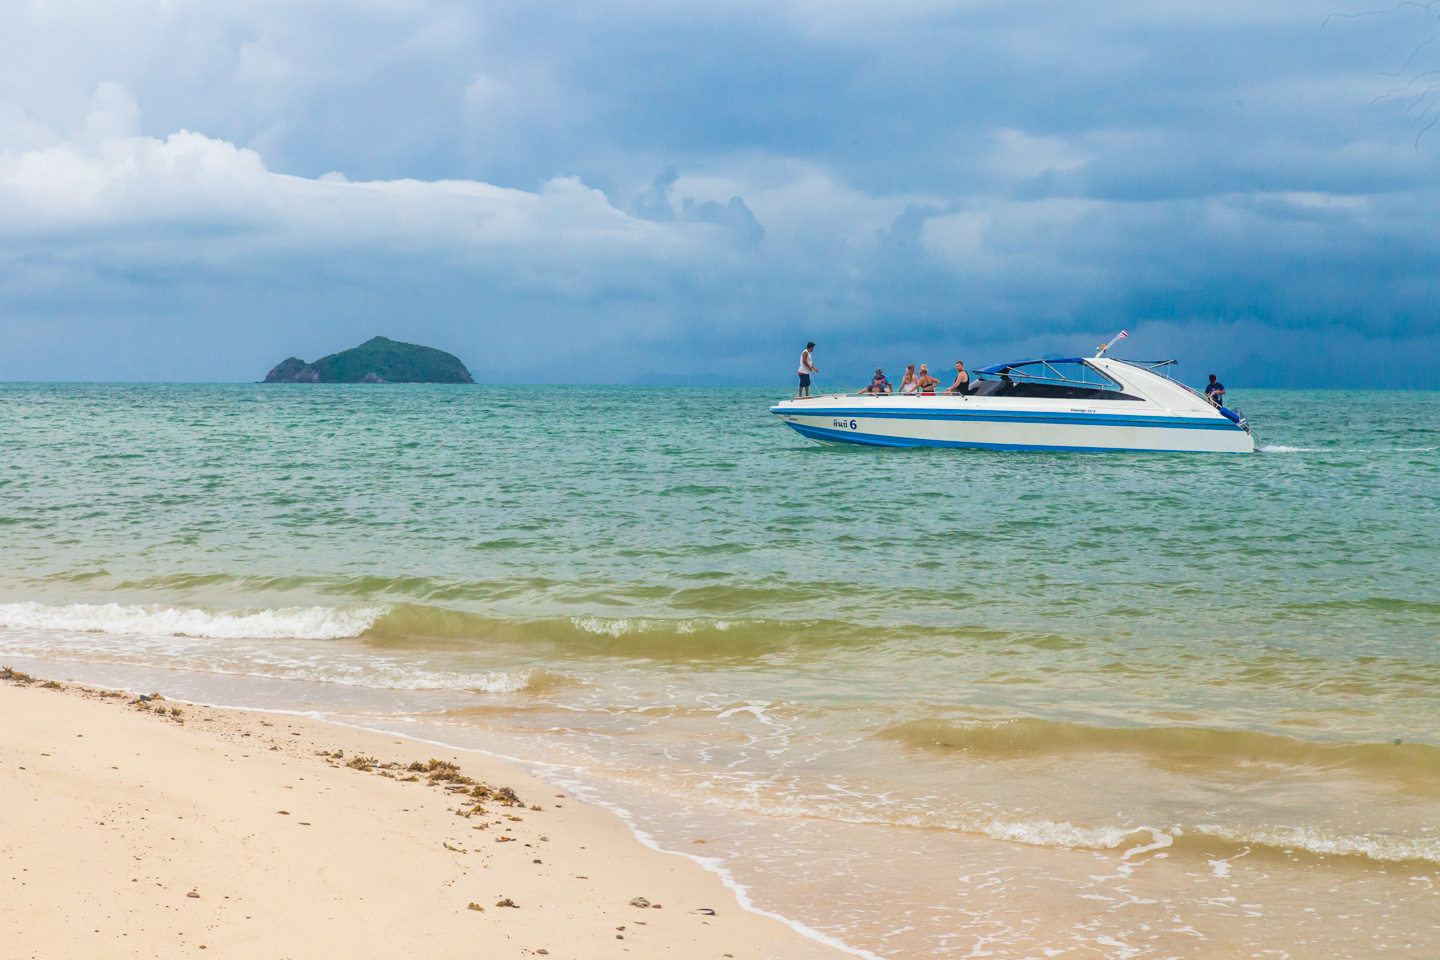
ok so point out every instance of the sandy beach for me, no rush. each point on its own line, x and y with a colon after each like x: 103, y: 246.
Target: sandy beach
x: 135, y: 828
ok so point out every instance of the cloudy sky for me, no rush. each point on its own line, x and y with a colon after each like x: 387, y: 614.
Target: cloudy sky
x: 639, y: 191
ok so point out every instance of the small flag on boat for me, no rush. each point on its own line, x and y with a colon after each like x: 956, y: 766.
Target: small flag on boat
x: 1118, y: 337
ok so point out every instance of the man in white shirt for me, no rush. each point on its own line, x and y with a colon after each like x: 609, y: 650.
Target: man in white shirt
x: 807, y: 367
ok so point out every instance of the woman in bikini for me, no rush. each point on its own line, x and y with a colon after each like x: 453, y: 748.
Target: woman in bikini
x: 927, y: 382
x: 910, y: 384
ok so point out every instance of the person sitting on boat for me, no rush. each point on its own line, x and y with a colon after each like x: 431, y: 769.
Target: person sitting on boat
x: 877, y: 385
x: 807, y: 367
x: 910, y: 384
x: 927, y: 382
x: 962, y: 380
x: 1215, y: 392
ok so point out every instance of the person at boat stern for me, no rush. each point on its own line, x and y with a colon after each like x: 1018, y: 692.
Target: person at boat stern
x: 1215, y: 392
x: 807, y: 367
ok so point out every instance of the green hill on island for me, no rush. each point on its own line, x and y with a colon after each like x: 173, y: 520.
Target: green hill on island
x: 378, y: 360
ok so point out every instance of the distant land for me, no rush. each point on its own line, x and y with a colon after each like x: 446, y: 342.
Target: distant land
x: 377, y: 360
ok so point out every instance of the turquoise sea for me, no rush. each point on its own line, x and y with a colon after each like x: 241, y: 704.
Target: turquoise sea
x: 925, y: 703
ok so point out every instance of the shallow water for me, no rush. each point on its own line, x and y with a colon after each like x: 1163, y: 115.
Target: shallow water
x: 929, y: 703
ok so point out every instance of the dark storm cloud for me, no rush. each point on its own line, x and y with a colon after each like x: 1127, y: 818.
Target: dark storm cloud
x: 645, y: 191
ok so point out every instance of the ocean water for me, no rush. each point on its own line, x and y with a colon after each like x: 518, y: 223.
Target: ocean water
x: 924, y: 703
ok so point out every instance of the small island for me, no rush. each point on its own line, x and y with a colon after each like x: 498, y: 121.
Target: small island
x: 377, y: 360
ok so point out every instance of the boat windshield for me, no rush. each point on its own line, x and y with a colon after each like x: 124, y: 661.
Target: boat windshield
x: 1157, y: 367
x: 1071, y: 378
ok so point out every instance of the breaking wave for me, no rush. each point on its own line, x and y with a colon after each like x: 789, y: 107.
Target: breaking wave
x: 623, y: 626
x: 288, y: 643
x: 298, y: 623
x: 411, y: 627
x: 1326, y: 844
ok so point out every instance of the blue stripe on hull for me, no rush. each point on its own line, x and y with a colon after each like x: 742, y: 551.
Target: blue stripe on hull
x: 880, y: 440
x: 1089, y: 419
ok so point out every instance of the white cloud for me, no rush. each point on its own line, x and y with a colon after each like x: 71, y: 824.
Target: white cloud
x: 956, y: 237
x: 1018, y: 155
x: 106, y: 175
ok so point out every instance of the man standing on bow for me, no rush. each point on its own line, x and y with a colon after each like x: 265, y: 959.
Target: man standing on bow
x: 807, y: 367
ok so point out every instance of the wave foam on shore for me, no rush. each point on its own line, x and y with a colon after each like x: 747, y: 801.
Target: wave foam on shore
x: 299, y: 623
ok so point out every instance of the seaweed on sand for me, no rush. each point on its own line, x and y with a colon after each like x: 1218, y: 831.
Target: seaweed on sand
x: 437, y: 772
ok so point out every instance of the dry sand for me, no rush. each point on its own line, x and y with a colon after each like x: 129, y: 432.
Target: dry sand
x: 222, y: 833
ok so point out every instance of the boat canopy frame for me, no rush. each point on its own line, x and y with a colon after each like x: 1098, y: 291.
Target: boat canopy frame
x: 1152, y: 365
x: 1050, y: 375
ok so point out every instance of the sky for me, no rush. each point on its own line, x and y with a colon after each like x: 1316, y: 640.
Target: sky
x: 634, y: 191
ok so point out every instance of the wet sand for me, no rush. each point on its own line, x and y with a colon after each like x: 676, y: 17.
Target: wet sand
x: 130, y: 830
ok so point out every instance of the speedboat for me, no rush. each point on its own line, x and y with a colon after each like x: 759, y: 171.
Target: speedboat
x: 1078, y: 403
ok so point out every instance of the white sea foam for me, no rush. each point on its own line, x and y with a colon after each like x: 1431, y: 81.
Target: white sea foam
x: 237, y: 643
x: 605, y: 626
x: 1322, y: 842
x: 298, y: 623
x: 770, y: 798
x: 499, y: 681
x: 390, y: 676
x: 263, y: 665
x: 622, y: 626
x: 1281, y: 448
x: 1064, y: 835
